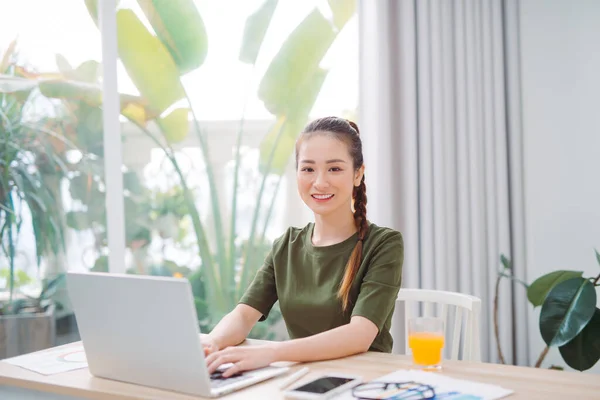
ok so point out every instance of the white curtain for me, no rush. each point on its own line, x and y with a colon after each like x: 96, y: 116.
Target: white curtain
x: 440, y: 113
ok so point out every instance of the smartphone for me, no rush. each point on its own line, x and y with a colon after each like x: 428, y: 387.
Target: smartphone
x: 323, y: 387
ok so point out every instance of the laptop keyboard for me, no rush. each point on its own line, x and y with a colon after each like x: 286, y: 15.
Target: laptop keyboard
x: 217, y: 380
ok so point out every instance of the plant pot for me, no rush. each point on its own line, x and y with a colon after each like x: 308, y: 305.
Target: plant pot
x: 26, y: 333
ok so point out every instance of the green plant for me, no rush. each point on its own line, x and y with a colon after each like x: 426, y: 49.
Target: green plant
x: 155, y: 59
x: 29, y: 172
x: 569, y: 318
x: 35, y: 299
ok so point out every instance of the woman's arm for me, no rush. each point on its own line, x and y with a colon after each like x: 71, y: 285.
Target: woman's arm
x: 233, y: 327
x: 352, y: 338
x: 355, y: 337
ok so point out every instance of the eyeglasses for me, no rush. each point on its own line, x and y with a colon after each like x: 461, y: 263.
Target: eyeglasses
x: 393, y: 390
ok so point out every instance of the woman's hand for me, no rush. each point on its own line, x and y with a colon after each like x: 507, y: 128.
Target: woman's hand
x: 209, y: 345
x: 243, y: 358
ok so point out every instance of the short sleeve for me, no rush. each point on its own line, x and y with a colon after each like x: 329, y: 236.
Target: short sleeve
x: 382, y: 281
x: 262, y: 292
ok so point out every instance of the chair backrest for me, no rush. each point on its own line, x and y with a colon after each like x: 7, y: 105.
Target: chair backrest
x: 448, y: 303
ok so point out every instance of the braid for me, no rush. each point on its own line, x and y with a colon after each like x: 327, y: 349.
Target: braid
x: 360, y: 209
x: 360, y: 219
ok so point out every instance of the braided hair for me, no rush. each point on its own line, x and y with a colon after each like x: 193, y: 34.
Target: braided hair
x: 347, y: 132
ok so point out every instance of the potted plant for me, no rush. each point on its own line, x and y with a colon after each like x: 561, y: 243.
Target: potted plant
x: 569, y: 318
x: 29, y: 172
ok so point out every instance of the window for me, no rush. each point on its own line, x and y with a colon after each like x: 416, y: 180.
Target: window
x: 186, y: 94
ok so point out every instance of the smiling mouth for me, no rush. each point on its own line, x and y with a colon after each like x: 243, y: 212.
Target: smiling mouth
x: 322, y: 196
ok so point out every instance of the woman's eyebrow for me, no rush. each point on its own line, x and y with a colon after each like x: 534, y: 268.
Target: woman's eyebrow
x: 335, y: 160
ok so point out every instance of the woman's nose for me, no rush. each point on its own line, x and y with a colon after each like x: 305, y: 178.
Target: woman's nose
x: 320, y: 181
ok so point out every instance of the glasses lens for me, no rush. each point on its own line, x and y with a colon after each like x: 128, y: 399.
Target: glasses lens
x: 396, y: 391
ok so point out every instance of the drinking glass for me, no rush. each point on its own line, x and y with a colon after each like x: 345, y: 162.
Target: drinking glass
x: 426, y: 340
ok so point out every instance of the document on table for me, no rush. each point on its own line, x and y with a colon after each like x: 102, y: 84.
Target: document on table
x: 445, y: 387
x: 52, y: 361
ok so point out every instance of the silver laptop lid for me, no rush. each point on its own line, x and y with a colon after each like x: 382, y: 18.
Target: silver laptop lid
x: 140, y: 329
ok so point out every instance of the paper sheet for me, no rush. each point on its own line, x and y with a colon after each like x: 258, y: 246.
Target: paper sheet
x: 52, y: 361
x: 445, y: 387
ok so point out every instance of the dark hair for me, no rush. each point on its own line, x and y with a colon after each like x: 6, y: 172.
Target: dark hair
x: 347, y: 132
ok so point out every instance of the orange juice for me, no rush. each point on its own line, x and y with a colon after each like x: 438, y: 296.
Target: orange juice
x: 426, y: 347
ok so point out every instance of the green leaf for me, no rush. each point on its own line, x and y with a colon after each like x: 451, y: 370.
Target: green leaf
x: 295, y: 63
x: 101, y: 264
x: 568, y: 308
x: 132, y: 107
x: 89, y: 93
x: 597, y: 256
x: 279, y: 144
x: 254, y: 31
x: 342, y: 10
x: 175, y: 126
x: 63, y: 65
x: 583, y: 352
x: 92, y: 6
x: 78, y: 220
x: 89, y: 71
x: 148, y: 62
x: 539, y: 289
x: 505, y: 262
x: 14, y: 84
x: 179, y: 26
x: 6, y: 57
x: 51, y: 286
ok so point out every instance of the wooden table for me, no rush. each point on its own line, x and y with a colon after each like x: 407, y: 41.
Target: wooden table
x: 528, y: 383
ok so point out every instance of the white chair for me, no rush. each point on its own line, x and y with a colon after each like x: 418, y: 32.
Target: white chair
x: 408, y: 301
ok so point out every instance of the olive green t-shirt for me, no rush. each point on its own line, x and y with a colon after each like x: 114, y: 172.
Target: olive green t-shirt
x: 305, y: 279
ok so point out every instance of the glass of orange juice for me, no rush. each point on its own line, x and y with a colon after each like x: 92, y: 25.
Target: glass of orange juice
x: 426, y: 341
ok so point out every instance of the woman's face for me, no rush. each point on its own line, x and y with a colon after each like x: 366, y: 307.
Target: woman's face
x: 326, y: 175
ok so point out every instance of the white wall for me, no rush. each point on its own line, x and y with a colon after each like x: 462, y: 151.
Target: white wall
x: 560, y: 56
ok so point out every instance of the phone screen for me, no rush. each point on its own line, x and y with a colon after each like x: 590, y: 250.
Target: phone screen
x: 323, y: 385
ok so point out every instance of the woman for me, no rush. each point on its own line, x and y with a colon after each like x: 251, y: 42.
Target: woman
x: 336, y: 280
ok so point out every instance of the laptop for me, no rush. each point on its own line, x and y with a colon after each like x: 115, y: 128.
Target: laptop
x: 144, y: 330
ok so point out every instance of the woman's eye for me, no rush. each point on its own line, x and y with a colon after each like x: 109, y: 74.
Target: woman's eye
x: 335, y: 169
x: 306, y: 169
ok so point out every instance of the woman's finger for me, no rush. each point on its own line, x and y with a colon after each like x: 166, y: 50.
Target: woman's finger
x: 218, y: 361
x: 232, y: 370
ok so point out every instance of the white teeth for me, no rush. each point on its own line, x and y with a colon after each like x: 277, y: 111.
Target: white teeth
x: 322, y: 196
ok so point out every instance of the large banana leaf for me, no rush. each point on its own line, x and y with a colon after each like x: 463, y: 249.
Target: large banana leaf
x: 179, y: 26
x: 148, y: 62
x: 342, y: 10
x: 277, y: 147
x: 14, y: 84
x: 583, y: 352
x: 538, y: 290
x: 255, y: 31
x: 153, y: 71
x: 567, y: 309
x: 92, y: 6
x: 132, y: 107
x: 296, y: 62
x: 5, y: 59
x: 89, y: 71
x: 175, y: 125
x: 293, y: 80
